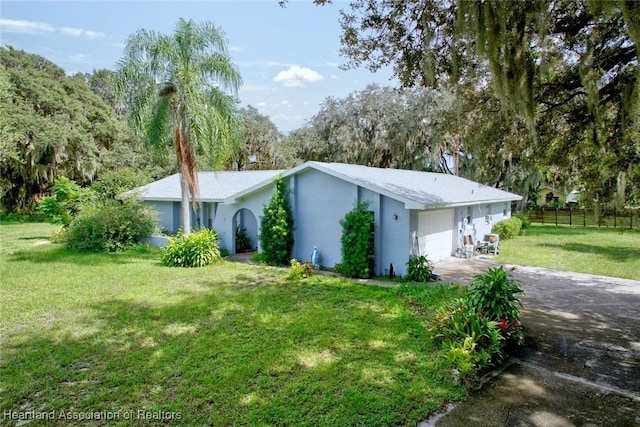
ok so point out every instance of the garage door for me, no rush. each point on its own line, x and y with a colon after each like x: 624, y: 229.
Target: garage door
x: 435, y: 233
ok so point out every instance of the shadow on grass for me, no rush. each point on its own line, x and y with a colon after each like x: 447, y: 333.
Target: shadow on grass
x: 35, y: 238
x: 276, y: 356
x: 57, y: 253
x: 611, y: 252
x: 566, y: 230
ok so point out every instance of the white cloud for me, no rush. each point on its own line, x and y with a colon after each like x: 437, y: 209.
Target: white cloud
x: 79, y: 32
x: 32, y: 27
x: 297, y: 76
x: 332, y: 64
x: 235, y: 49
x: 24, y: 27
x: 334, y: 77
x: 286, y: 103
x: 261, y: 104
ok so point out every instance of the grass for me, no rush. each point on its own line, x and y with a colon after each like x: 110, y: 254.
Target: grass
x: 593, y: 250
x: 230, y: 344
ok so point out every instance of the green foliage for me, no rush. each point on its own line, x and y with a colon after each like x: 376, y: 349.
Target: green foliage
x: 112, y: 226
x: 54, y: 126
x: 243, y: 241
x: 20, y: 217
x: 358, y: 249
x: 502, y: 43
x: 480, y: 329
x: 67, y: 203
x: 305, y: 342
x: 374, y: 127
x: 472, y: 341
x: 198, y: 249
x: 113, y: 183
x: 276, y: 227
x: 419, y: 269
x: 495, y: 296
x: 524, y: 218
x: 507, y: 228
x: 262, y: 145
x: 299, y: 270
x: 174, y: 85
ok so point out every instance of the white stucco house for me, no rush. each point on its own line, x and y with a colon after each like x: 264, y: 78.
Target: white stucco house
x: 436, y: 210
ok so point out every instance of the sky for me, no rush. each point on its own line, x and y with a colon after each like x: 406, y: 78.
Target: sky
x: 288, y: 57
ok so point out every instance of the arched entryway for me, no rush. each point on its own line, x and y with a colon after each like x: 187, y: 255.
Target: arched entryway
x: 245, y: 226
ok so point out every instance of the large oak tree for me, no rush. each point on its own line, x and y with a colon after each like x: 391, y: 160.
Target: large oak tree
x: 567, y: 69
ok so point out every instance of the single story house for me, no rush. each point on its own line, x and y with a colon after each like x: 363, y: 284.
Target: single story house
x: 414, y: 212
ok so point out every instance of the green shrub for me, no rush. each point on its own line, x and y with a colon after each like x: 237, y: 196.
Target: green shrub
x: 21, y: 217
x: 471, y: 341
x: 113, y: 183
x: 508, y: 228
x: 419, y: 269
x: 67, y: 203
x: 358, y: 248
x: 113, y: 226
x: 198, y: 249
x: 479, y: 330
x: 495, y: 296
x: 524, y: 218
x: 300, y: 270
x: 276, y: 227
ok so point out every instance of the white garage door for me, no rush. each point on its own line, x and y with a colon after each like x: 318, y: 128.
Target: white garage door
x: 435, y: 234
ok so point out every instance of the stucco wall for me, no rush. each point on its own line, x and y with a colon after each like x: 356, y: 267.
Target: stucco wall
x: 392, y: 232
x: 229, y: 215
x: 478, y: 226
x: 165, y: 214
x: 320, y: 201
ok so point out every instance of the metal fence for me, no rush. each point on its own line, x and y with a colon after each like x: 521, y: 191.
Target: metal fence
x: 616, y: 218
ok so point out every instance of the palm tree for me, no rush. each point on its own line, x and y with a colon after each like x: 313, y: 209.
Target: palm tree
x: 175, y: 90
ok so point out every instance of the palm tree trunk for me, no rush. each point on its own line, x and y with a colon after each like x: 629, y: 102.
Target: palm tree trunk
x: 186, y: 212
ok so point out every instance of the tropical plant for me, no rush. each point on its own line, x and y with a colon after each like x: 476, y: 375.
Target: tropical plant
x: 358, y: 249
x: 494, y: 295
x: 508, y: 228
x: 419, y: 269
x: 195, y: 250
x: 472, y: 342
x: 112, y: 226
x: 276, y: 227
x: 243, y: 241
x: 175, y: 86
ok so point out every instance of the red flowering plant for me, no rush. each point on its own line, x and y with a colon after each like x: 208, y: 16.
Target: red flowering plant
x: 495, y: 296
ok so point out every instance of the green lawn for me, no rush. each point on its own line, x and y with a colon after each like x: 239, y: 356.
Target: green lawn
x: 605, y: 251
x: 225, y: 345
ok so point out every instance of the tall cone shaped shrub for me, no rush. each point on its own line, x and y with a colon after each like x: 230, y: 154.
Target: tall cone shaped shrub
x: 276, y: 227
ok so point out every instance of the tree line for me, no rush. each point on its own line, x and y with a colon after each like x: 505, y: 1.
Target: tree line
x: 511, y: 94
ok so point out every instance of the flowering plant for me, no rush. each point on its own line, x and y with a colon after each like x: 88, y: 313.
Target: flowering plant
x: 300, y: 270
x: 494, y: 295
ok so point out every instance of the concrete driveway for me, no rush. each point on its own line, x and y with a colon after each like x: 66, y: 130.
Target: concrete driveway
x: 582, y: 364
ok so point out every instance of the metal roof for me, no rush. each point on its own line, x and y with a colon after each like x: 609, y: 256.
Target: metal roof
x: 417, y: 190
x: 213, y: 186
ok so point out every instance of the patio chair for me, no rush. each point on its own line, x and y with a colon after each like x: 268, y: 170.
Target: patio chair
x: 489, y: 244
